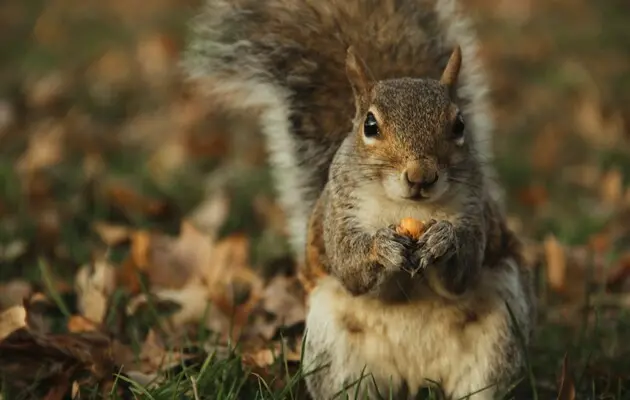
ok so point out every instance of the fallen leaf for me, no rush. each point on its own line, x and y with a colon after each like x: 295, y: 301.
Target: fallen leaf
x: 533, y: 195
x: 546, y: 147
x: 192, y: 300
x: 140, y: 242
x: 11, y: 320
x: 148, y: 380
x: 210, y: 215
x: 172, y: 262
x: 556, y: 263
x: 230, y: 256
x: 113, y: 70
x: 12, y: 250
x: 58, y: 356
x: 45, y: 148
x: 14, y: 292
x: 128, y: 276
x: 94, y: 283
x: 60, y: 387
x: 124, y: 196
x: 271, y: 213
x: 283, y: 303
x: 167, y: 159
x: 611, y: 189
x: 47, y: 89
x: 78, y: 323
x: 112, y: 234
x: 156, y: 55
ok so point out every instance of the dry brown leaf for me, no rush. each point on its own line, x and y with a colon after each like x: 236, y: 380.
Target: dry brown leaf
x: 47, y: 89
x: 12, y: 250
x: 128, y: 276
x: 283, y: 298
x: 148, y: 380
x: 58, y: 356
x: 169, y: 157
x: 611, y: 187
x: 78, y: 323
x: 210, y: 215
x: 112, y: 234
x: 45, y: 148
x: 49, y: 29
x: 556, y: 263
x: 533, y: 196
x: 11, y: 320
x: 94, y: 284
x: 60, y: 387
x: 192, y: 299
x: 14, y: 292
x: 172, y: 262
x: 76, y: 390
x: 156, y: 54
x: 140, y: 242
x: 591, y: 123
x: 113, y: 70
x: 230, y: 256
x: 271, y: 213
x: 567, y: 387
x: 125, y: 197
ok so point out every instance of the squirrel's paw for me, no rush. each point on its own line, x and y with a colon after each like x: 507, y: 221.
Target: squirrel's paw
x: 393, y: 251
x: 436, y: 245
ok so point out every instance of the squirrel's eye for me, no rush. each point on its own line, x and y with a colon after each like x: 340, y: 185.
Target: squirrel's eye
x: 370, y: 126
x: 458, y: 127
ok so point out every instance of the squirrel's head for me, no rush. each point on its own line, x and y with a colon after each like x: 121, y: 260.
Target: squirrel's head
x: 409, y: 133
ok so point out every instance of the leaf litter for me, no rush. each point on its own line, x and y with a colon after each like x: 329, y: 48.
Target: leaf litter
x: 208, y: 281
x: 154, y: 305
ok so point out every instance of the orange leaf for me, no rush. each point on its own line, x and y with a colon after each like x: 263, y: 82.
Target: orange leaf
x: 556, y: 263
x: 78, y: 323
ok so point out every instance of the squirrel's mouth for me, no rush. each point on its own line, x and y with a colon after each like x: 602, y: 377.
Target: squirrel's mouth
x: 398, y: 189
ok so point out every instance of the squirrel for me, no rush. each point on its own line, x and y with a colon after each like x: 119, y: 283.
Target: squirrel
x: 374, y: 111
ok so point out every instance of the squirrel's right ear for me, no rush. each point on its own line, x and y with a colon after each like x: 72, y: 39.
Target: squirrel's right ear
x: 358, y: 73
x: 450, y: 74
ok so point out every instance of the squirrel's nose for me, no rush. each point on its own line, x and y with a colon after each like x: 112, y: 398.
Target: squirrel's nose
x: 415, y: 175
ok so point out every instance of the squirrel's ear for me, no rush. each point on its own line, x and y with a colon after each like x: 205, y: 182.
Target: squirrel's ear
x: 358, y: 73
x: 451, y: 72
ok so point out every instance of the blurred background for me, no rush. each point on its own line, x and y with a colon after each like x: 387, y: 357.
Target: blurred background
x: 98, y: 131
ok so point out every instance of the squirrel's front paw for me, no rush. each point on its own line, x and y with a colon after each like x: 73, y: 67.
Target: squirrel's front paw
x: 436, y: 245
x: 392, y: 251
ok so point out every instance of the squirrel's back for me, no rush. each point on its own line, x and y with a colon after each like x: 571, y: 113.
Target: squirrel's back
x: 284, y: 61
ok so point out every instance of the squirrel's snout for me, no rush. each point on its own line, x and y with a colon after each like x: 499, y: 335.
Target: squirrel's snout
x: 415, y: 175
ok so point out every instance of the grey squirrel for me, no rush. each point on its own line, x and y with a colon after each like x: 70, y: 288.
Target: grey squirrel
x: 374, y: 111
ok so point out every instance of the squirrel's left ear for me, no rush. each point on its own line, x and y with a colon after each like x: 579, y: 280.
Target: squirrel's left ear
x: 451, y: 72
x: 358, y: 74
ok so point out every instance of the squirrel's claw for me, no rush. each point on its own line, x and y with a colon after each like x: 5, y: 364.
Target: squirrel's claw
x: 437, y: 245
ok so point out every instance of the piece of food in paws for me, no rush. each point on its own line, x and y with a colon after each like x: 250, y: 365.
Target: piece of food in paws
x: 411, y: 227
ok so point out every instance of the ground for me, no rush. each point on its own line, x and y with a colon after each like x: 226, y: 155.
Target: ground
x: 126, y: 201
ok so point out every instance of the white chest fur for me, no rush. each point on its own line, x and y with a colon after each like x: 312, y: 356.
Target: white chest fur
x: 459, y: 345
x: 375, y: 210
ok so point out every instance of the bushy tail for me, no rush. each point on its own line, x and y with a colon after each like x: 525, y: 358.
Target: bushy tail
x: 283, y: 60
